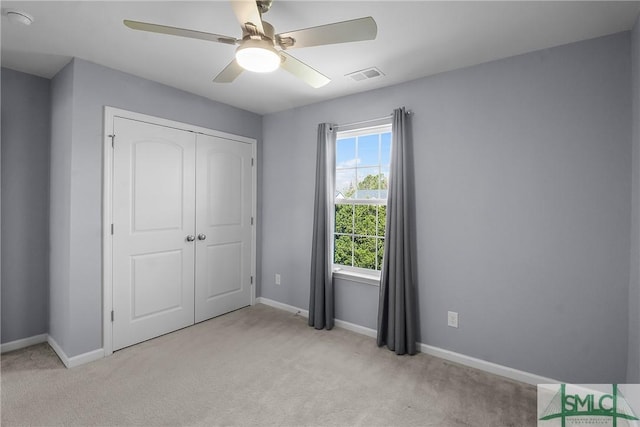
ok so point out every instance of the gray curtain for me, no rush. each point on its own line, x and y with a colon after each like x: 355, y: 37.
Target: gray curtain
x: 321, y: 307
x: 396, y: 308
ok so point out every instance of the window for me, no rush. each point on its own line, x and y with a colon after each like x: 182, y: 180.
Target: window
x: 362, y: 178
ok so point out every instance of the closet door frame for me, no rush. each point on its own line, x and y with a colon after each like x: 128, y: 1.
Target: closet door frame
x: 110, y: 113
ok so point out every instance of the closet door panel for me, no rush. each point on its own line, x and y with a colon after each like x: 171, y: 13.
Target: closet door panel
x: 223, y: 187
x: 224, y: 269
x: 223, y: 216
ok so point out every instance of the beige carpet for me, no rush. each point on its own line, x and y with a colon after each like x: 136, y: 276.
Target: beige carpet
x: 257, y: 366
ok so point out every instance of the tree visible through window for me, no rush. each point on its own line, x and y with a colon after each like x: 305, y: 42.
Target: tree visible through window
x: 362, y: 181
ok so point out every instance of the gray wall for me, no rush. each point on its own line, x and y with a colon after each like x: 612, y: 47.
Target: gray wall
x: 523, y: 169
x: 59, y: 206
x: 633, y: 369
x: 95, y: 86
x: 25, y: 205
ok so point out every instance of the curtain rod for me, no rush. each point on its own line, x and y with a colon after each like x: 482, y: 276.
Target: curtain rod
x: 367, y: 121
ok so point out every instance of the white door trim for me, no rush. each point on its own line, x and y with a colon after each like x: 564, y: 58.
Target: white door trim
x: 110, y: 113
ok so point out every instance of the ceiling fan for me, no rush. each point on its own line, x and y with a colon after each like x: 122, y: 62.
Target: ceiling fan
x: 261, y: 50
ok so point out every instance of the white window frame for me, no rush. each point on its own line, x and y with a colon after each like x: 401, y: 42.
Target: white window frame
x: 358, y: 274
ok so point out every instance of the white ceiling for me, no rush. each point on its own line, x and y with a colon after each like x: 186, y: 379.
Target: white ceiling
x: 415, y: 39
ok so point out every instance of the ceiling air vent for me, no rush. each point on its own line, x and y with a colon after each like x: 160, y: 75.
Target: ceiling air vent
x: 366, y: 74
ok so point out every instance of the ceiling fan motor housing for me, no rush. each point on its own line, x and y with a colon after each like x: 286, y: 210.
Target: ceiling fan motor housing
x: 253, y: 33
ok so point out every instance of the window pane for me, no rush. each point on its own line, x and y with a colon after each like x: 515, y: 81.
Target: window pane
x: 368, y: 150
x: 365, y: 252
x: 384, y: 182
x: 345, y: 183
x: 344, y: 219
x: 368, y: 183
x: 385, y: 148
x: 384, y: 179
x: 380, y: 252
x: 382, y: 220
x: 343, y: 254
x: 346, y: 152
x: 365, y: 220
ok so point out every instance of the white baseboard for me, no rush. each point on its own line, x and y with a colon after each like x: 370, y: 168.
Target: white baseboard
x: 81, y: 359
x: 483, y: 365
x: 61, y: 354
x: 362, y: 330
x: 305, y: 313
x: 69, y: 362
x: 22, y: 343
x: 282, y: 306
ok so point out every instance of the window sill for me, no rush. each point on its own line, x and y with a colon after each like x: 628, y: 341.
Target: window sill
x: 368, y: 279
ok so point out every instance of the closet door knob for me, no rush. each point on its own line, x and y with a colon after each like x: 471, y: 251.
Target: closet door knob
x: 191, y: 238
x: 202, y: 236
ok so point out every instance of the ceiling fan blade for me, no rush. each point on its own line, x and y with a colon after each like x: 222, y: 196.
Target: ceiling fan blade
x: 302, y: 71
x: 338, y: 32
x: 229, y: 73
x: 247, y: 13
x: 174, y: 31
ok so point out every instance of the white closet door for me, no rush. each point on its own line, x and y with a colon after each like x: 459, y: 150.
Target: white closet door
x: 154, y: 202
x: 223, y: 252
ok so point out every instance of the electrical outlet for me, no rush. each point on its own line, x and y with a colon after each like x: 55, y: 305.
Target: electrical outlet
x: 452, y: 319
x: 277, y: 279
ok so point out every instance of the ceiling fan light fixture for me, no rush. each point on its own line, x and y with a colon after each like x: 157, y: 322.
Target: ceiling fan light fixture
x: 258, y: 56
